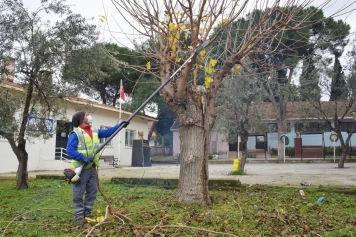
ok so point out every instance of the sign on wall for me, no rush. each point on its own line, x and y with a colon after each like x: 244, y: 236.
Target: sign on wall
x: 34, y: 124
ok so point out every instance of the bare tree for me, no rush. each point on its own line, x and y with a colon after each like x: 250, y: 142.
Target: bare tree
x: 174, y: 28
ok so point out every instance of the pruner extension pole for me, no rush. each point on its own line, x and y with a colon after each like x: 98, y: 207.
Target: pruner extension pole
x: 197, y: 51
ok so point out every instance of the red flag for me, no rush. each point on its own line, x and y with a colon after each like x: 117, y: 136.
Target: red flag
x: 122, y: 93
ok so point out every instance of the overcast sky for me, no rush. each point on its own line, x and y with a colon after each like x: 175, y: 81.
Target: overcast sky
x: 117, y: 30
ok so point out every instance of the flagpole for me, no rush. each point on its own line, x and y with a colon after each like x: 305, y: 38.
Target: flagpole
x: 119, y: 151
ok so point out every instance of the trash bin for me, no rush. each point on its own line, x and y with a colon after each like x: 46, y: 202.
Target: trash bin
x: 236, y: 165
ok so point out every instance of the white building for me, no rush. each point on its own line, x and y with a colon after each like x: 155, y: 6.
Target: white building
x: 46, y: 154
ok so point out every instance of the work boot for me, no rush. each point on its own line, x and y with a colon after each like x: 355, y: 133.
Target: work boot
x: 81, y: 221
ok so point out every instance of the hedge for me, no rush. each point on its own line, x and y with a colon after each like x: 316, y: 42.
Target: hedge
x: 329, y: 151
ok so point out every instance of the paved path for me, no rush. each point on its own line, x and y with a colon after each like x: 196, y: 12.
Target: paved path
x: 280, y: 174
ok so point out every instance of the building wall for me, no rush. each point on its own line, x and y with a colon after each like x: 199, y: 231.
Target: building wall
x: 217, y: 143
x: 176, y: 143
x: 307, y: 139
x: 42, y: 153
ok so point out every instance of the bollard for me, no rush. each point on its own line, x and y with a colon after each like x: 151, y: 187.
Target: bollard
x: 236, y: 165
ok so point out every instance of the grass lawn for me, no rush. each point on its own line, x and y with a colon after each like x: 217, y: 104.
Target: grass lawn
x: 258, y: 210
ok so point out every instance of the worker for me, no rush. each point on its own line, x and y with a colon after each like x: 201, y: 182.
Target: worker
x: 82, y: 143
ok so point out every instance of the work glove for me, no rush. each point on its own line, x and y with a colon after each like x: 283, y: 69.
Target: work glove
x: 88, y: 159
x: 125, y: 123
x: 91, y: 158
x: 85, y: 159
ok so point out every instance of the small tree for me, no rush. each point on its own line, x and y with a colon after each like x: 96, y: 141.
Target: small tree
x: 237, y: 110
x: 39, y: 50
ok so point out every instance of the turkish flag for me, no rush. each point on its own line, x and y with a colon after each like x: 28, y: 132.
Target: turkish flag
x: 122, y: 93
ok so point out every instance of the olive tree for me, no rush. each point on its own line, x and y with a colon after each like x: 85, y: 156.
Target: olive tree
x: 37, y: 49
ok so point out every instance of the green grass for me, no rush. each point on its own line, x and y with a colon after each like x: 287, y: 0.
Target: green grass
x: 258, y: 210
x: 237, y: 172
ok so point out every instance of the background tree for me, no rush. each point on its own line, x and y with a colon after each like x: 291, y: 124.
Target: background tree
x: 332, y: 37
x: 177, y: 27
x: 98, y: 70
x: 143, y: 89
x: 278, y: 68
x: 39, y: 50
x: 336, y: 113
x: 237, y: 108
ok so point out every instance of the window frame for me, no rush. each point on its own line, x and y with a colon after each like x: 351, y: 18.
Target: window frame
x: 128, y: 140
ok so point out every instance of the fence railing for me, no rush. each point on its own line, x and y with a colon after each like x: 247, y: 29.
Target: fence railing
x: 61, y: 154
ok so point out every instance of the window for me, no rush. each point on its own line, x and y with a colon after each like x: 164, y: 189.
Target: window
x: 129, y: 137
x: 347, y: 126
x: 102, y: 140
x: 260, y: 138
x: 310, y: 127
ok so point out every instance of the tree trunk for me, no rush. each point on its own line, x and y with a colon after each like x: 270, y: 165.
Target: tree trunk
x: 244, y: 138
x: 163, y: 145
x: 345, y: 151
x: 280, y: 145
x: 341, y: 163
x: 22, y: 174
x: 344, y: 144
x: 194, y: 174
x: 242, y: 161
x: 153, y: 127
x: 281, y: 108
x: 195, y: 123
x: 171, y: 146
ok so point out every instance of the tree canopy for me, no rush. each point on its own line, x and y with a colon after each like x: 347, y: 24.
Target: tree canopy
x: 98, y: 71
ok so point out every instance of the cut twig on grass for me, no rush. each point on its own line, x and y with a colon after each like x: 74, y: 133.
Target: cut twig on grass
x: 110, y: 208
x: 27, y: 223
x: 316, y: 234
x: 99, y: 223
x: 14, y: 219
x: 190, y: 227
x: 122, y: 221
x: 279, y: 217
x: 242, y: 217
x: 153, y: 228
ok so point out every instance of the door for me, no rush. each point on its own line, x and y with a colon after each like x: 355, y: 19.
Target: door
x: 260, y: 142
x: 63, y: 130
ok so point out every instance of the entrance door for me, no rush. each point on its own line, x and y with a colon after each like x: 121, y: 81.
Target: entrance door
x: 260, y: 142
x: 64, y: 128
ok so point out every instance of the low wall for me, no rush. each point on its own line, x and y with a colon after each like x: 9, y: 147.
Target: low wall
x: 157, y: 151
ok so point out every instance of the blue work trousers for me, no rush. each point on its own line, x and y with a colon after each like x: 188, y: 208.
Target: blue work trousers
x: 84, y: 194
